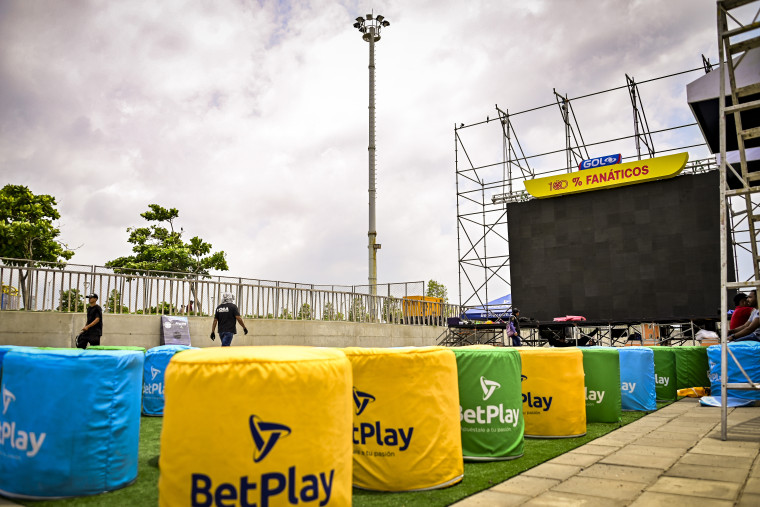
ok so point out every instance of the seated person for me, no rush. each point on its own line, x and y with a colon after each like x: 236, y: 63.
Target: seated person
x: 742, y: 312
x: 750, y: 330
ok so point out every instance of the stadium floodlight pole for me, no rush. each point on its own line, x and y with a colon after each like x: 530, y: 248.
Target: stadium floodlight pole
x: 370, y: 29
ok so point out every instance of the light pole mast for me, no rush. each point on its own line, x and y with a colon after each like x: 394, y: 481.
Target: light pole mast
x: 370, y: 29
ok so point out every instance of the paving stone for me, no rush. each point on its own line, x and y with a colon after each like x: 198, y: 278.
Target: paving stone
x: 576, y: 458
x: 691, y: 458
x: 599, y: 450
x: 737, y: 475
x: 525, y: 485
x: 752, y: 486
x: 560, y: 499
x: 638, y: 460
x: 703, y: 488
x: 722, y: 450
x: 642, y: 447
x: 731, y: 443
x: 749, y: 500
x: 652, y: 499
x: 621, y: 473
x: 605, y: 488
x: 616, y: 439
x: 669, y: 435
x: 492, y: 499
x: 553, y: 471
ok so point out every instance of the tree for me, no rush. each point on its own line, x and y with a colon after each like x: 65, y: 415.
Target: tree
x: 71, y: 301
x: 305, y: 312
x: 358, y: 312
x: 113, y: 305
x: 28, y: 232
x: 437, y: 290
x: 158, y: 248
x: 392, y: 310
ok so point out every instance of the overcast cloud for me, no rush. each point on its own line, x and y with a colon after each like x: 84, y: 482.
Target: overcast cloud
x: 251, y: 117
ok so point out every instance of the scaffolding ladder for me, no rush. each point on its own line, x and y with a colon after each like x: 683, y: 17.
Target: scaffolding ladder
x: 731, y: 55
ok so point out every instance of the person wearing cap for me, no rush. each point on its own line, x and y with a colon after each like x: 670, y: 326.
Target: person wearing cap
x: 93, y: 329
x: 227, y: 316
x: 742, y: 312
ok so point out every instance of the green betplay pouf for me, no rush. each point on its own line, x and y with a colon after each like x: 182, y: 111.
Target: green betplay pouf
x: 692, y: 367
x: 490, y: 403
x: 115, y: 347
x: 601, y: 366
x: 665, y: 381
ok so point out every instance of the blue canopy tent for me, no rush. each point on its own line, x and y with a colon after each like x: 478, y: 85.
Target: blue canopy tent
x: 500, y: 308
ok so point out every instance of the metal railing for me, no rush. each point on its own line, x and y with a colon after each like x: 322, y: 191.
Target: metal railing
x: 38, y: 286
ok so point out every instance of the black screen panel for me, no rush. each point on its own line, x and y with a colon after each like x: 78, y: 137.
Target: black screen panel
x: 642, y: 252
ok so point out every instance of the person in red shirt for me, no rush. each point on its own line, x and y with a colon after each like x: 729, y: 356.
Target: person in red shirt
x: 743, y: 309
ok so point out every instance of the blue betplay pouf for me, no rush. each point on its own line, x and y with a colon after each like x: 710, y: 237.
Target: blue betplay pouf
x: 156, y: 361
x: 748, y: 355
x: 70, y: 422
x: 637, y: 378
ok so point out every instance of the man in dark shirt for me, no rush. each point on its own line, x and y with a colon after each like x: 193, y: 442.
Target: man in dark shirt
x: 93, y: 329
x: 514, y: 321
x: 742, y: 312
x: 227, y: 315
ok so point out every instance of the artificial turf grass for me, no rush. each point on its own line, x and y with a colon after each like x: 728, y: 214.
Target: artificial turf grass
x: 477, y: 476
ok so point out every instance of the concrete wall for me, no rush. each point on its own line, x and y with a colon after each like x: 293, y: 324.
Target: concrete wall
x: 51, y: 329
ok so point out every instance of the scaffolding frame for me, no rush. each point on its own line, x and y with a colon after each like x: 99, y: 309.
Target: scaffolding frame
x: 731, y: 55
x: 482, y: 236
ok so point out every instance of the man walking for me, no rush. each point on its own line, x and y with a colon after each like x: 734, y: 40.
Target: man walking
x: 227, y: 316
x: 93, y: 329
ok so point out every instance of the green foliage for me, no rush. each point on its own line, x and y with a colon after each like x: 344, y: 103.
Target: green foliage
x: 158, y: 248
x: 358, y: 312
x: 113, y: 306
x: 71, y: 301
x: 392, y: 310
x: 305, y: 312
x: 437, y: 290
x: 286, y: 314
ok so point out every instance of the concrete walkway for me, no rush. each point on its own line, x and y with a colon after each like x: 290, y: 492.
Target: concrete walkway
x: 672, y: 457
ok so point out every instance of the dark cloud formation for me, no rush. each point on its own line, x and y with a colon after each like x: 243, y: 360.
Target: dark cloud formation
x: 250, y: 117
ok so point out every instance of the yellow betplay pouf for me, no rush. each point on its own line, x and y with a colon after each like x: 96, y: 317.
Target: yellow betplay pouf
x: 257, y: 426
x: 553, y: 391
x: 406, y: 419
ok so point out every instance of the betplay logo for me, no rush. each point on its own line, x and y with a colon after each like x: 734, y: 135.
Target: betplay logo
x: 154, y: 372
x: 265, y: 435
x: 27, y: 442
x: 596, y: 396
x: 488, y: 386
x: 663, y: 381
x: 368, y: 431
x: 304, y: 489
x: 361, y: 400
x: 629, y: 387
x: 537, y: 401
x: 8, y: 397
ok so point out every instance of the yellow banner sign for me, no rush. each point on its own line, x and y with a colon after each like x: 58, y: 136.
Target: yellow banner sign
x: 608, y: 177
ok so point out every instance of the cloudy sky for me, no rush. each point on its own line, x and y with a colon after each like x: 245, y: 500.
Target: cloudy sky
x: 250, y: 117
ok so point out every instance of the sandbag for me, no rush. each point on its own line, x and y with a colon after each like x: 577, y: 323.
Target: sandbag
x: 601, y: 366
x: 554, y: 404
x: 256, y: 426
x: 70, y: 423
x: 748, y: 355
x: 156, y: 361
x: 692, y: 366
x: 637, y: 379
x: 406, y: 430
x: 490, y: 403
x: 665, y: 375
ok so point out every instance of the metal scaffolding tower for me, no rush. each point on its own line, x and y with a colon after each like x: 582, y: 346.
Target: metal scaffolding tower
x: 743, y: 99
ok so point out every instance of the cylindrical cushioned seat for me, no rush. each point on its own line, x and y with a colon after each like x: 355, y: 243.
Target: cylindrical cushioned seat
x: 554, y: 405
x: 490, y: 402
x: 71, y: 422
x: 637, y: 378
x: 601, y: 366
x: 156, y: 361
x: 116, y: 347
x: 692, y: 367
x: 406, y: 431
x: 665, y: 376
x: 256, y: 426
x: 748, y: 355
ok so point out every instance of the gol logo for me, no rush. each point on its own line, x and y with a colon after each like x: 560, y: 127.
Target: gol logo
x: 361, y: 400
x: 265, y: 435
x: 488, y: 386
x: 8, y: 397
x: 154, y: 372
